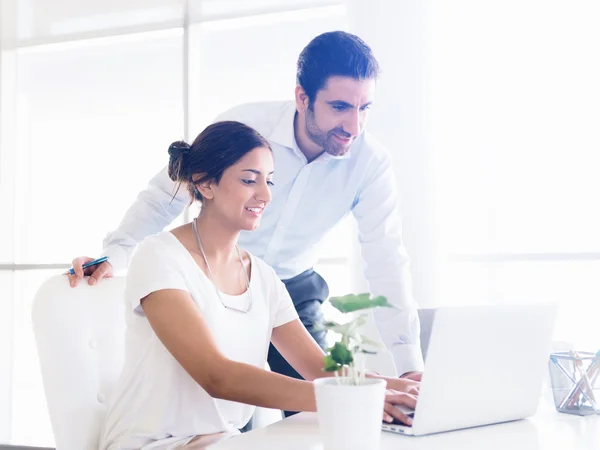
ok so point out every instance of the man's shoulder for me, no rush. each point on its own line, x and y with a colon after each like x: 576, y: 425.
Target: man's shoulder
x: 262, y: 116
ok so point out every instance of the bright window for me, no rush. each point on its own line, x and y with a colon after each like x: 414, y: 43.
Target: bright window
x: 91, y: 96
x: 513, y: 111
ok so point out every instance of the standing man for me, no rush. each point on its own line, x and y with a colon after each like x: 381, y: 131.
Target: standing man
x: 326, y: 166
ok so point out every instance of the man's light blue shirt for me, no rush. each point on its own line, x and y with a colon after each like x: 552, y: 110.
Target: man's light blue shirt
x: 308, y: 200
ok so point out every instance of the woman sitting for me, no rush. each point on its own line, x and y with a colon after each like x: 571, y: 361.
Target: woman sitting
x: 201, y: 311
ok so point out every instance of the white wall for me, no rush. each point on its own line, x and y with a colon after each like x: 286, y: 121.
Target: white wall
x: 491, y: 110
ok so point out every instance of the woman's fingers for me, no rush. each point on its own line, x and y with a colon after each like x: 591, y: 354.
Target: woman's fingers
x: 395, y: 414
x: 392, y: 411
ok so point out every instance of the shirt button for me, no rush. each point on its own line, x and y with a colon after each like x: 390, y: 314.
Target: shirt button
x: 93, y: 344
x: 100, y: 398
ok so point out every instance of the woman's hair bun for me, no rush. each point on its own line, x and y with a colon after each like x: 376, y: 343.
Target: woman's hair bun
x: 178, y: 148
x: 178, y: 169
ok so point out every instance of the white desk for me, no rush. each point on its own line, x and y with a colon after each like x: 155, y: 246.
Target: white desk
x: 547, y: 430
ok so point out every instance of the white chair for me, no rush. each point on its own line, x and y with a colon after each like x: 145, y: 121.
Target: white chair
x: 79, y: 334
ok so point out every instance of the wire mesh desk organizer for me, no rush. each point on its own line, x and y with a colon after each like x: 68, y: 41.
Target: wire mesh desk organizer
x: 575, y: 378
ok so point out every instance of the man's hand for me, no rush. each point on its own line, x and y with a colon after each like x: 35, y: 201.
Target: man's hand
x: 415, y: 376
x: 96, y: 273
x: 391, y: 412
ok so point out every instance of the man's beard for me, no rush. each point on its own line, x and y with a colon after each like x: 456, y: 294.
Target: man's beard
x: 324, y: 139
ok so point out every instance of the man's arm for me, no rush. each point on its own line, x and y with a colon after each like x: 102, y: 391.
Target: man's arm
x: 154, y: 209
x: 387, y: 266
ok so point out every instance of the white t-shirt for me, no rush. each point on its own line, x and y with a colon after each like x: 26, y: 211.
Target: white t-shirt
x: 156, y: 403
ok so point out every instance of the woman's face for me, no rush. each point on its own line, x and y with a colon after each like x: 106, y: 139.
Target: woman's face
x: 244, y: 190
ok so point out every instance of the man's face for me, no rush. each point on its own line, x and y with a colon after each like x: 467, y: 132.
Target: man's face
x: 339, y: 113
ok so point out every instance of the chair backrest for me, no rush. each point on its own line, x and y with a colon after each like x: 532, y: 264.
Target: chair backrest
x: 79, y: 334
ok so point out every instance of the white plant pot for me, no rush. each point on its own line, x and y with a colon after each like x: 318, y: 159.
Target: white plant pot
x: 350, y: 416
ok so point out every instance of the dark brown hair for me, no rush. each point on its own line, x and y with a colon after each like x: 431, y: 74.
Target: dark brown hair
x: 218, y: 147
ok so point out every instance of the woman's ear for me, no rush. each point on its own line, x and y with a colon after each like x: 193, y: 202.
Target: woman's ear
x: 206, y: 189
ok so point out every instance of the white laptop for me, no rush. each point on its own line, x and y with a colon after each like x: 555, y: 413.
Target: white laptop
x: 484, y: 365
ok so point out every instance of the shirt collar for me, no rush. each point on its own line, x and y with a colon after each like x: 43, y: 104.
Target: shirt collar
x: 283, y: 134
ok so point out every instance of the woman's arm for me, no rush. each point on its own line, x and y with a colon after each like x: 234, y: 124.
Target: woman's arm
x: 179, y: 325
x: 299, y: 349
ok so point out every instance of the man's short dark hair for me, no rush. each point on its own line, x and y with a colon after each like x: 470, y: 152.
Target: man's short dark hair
x: 335, y: 53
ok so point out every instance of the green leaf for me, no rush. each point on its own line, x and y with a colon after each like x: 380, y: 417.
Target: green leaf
x: 331, y: 326
x: 352, y: 302
x: 340, y: 354
x: 345, y: 329
x: 356, y: 323
x: 330, y: 364
x: 366, y: 341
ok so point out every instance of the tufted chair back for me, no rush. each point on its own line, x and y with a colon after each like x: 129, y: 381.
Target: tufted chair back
x: 79, y: 334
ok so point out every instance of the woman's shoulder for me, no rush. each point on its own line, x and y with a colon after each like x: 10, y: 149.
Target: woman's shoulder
x: 259, y: 263
x: 160, y: 245
x: 264, y: 271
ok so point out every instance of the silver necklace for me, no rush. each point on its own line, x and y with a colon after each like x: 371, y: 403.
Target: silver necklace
x: 212, y: 279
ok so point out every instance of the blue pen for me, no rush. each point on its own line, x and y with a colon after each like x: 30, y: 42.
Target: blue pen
x: 90, y: 264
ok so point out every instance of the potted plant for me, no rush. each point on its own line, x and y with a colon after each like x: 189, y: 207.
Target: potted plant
x: 350, y: 405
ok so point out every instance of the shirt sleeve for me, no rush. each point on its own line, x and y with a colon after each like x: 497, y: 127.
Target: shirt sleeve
x: 154, y: 209
x: 387, y: 265
x: 283, y: 307
x: 153, y: 268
